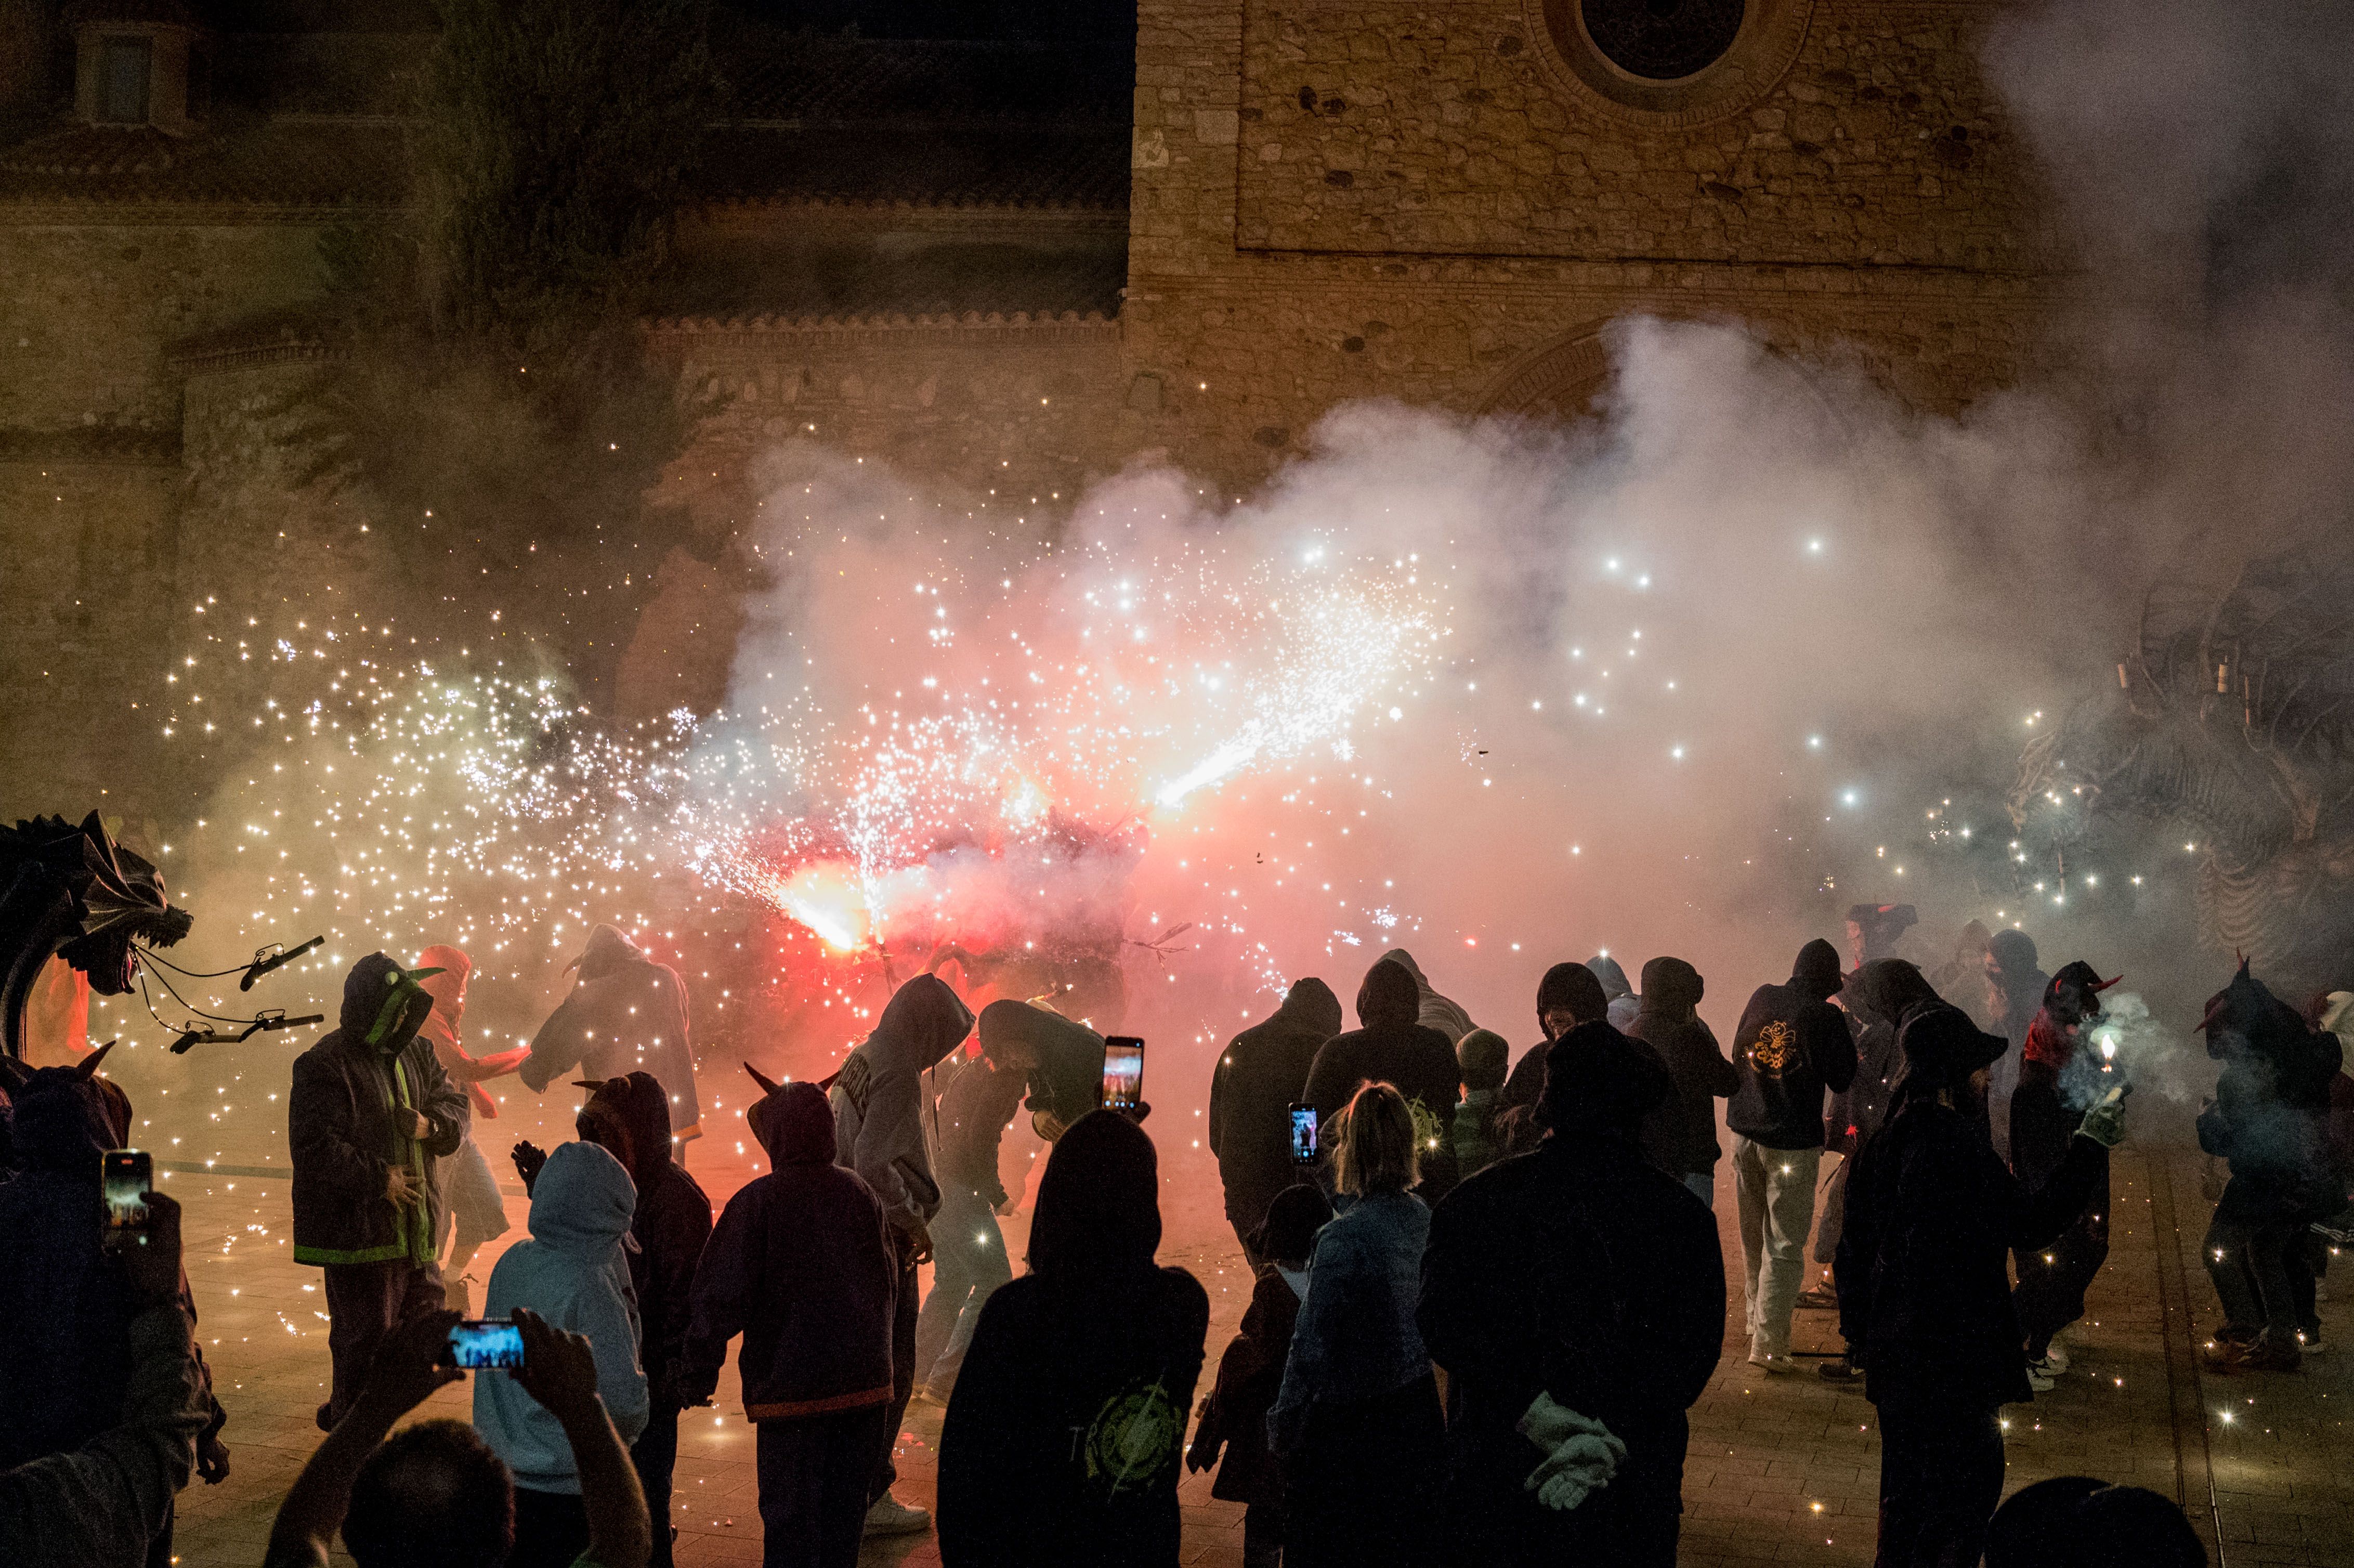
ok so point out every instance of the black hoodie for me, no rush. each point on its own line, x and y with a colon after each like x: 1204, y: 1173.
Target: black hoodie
x: 1259, y: 1075
x: 1392, y: 1048
x: 1062, y: 1444
x: 799, y: 1265
x: 1679, y: 1136
x: 625, y: 1012
x: 345, y: 1130
x: 671, y: 1226
x: 1791, y: 1049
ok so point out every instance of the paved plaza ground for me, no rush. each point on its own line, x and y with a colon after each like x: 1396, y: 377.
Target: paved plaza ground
x: 1781, y: 1470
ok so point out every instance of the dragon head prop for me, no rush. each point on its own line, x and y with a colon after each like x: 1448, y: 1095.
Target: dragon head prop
x: 73, y: 893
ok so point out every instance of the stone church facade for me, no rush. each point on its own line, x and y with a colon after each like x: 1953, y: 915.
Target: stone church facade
x: 1007, y: 266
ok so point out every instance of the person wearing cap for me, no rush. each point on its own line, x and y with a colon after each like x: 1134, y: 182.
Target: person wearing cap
x: 1924, y: 1286
x: 1792, y: 1050
x: 1250, y: 1373
x: 2056, y: 1069
x: 369, y: 1110
x: 1581, y: 1290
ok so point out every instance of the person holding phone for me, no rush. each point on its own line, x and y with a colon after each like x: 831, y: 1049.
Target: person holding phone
x: 434, y: 1495
x: 103, y: 1501
x: 370, y: 1109
x: 571, y: 1272
x: 1259, y: 1075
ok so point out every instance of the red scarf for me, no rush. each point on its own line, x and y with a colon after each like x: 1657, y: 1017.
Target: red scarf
x: 2047, y: 1042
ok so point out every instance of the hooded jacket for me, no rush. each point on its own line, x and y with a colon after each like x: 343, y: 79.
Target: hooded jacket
x: 570, y: 1272
x: 879, y: 1095
x: 1583, y: 1272
x: 1877, y: 996
x: 1679, y: 1136
x: 1791, y: 1049
x: 1259, y: 1075
x: 2270, y: 1114
x: 1063, y: 1442
x: 1393, y: 1048
x: 975, y: 1109
x: 1624, y: 1003
x: 1564, y: 988
x: 626, y: 1012
x: 670, y: 1225
x: 1436, y: 1012
x: 1066, y: 1082
x: 347, y: 1126
x: 67, y: 1365
x: 801, y: 1264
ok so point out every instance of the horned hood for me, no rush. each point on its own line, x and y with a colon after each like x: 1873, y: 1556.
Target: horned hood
x: 794, y: 1123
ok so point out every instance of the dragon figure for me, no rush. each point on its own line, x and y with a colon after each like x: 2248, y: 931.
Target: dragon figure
x: 2232, y: 720
x: 73, y: 893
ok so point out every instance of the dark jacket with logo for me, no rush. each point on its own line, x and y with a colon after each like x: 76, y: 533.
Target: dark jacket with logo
x: 345, y: 1130
x: 1790, y: 1051
x: 799, y: 1265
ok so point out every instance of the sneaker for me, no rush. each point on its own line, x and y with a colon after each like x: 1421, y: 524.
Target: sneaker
x: 2309, y: 1340
x: 2224, y: 1355
x: 2040, y: 1375
x: 1821, y: 1298
x: 2265, y: 1356
x: 1839, y: 1368
x: 2057, y: 1354
x: 889, y: 1516
x: 1777, y: 1366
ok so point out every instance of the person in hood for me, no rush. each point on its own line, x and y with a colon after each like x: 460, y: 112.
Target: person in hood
x: 970, y: 1261
x: 2055, y: 1071
x: 1962, y: 979
x: 1925, y: 1292
x: 1250, y: 1373
x: 471, y: 1212
x: 1876, y: 997
x: 878, y: 1131
x: 1482, y: 1056
x: 626, y: 1013
x: 1624, y: 1003
x: 2014, y: 988
x: 2269, y: 1121
x: 1062, y: 1444
x: 1791, y: 1049
x: 1390, y: 1046
x: 803, y: 1264
x: 1874, y: 929
x: 670, y: 1227
x: 1567, y: 996
x: 1061, y: 1058
x: 370, y: 1110
x: 1356, y: 1424
x: 1262, y: 1073
x: 1578, y: 1282
x: 1680, y: 1134
x: 571, y: 1273
x: 1436, y: 1012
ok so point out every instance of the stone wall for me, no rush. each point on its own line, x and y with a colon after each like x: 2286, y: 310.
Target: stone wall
x: 1373, y: 198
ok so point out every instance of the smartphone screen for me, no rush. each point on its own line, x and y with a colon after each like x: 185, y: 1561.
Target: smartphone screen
x: 481, y: 1342
x: 127, y: 1177
x: 1123, y: 1078
x: 1305, y: 1149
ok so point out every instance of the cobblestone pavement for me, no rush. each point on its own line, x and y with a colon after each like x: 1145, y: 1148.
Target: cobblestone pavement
x: 1781, y: 1469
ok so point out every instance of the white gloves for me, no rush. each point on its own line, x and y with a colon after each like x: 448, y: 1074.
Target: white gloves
x: 1581, y: 1454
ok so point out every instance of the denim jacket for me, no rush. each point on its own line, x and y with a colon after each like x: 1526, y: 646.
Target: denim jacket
x: 1356, y: 1337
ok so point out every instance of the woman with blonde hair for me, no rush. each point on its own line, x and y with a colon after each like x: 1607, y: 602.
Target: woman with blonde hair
x: 1357, y: 1424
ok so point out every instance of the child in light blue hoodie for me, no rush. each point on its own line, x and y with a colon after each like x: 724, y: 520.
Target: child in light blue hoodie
x: 572, y: 1273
